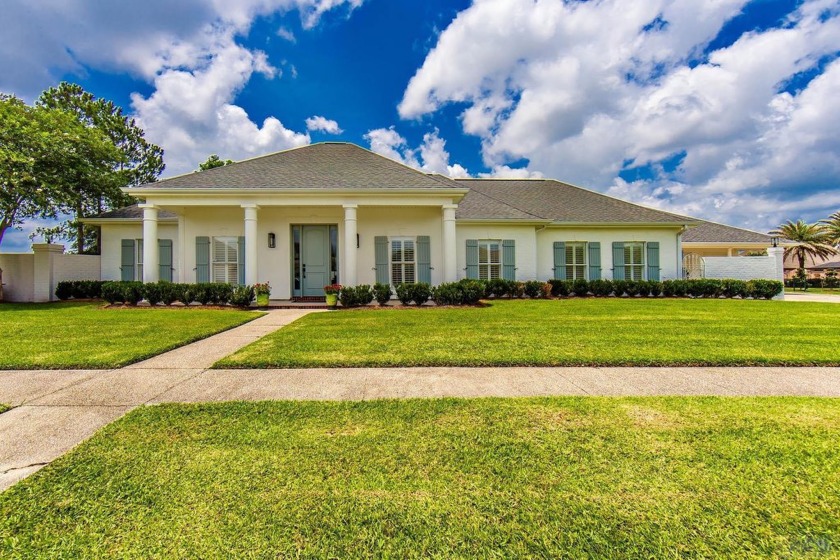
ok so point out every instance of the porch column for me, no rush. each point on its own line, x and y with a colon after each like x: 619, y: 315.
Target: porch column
x: 151, y: 257
x: 350, y: 230
x: 450, y: 242
x: 250, y: 243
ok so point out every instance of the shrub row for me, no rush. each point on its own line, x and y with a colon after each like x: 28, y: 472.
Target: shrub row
x: 168, y: 292
x: 701, y: 287
x: 79, y: 289
x: 464, y: 292
x: 418, y: 293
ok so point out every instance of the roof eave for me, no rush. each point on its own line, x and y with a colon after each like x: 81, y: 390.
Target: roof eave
x: 94, y: 221
x: 559, y: 224
x: 326, y: 191
x: 503, y: 221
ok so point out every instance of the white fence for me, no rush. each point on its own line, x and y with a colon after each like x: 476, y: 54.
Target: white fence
x: 34, y: 276
x: 770, y: 267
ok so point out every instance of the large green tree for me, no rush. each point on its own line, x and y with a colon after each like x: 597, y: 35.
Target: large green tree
x: 832, y: 226
x: 213, y: 162
x: 41, y: 149
x: 809, y: 240
x: 139, y: 161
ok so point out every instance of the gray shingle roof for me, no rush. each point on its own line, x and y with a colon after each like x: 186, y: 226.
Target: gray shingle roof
x: 132, y: 212
x: 477, y: 205
x: 711, y: 232
x: 327, y: 165
x: 556, y: 201
x: 832, y: 264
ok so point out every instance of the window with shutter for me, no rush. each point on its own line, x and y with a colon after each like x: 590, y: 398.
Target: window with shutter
x: 138, y: 266
x: 634, y: 261
x: 489, y: 259
x: 403, y: 261
x: 225, y: 260
x: 575, y: 261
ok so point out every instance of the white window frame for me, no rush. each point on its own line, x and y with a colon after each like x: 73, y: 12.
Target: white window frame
x: 227, y: 263
x: 577, y: 270
x: 403, y: 264
x: 629, y: 265
x: 487, y: 267
x: 138, y: 260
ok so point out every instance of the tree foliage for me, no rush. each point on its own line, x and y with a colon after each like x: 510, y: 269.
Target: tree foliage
x: 213, y: 162
x: 832, y: 227
x: 810, y: 240
x: 137, y: 161
x: 42, y: 150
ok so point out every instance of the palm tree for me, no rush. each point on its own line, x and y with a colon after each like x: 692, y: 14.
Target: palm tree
x: 832, y: 226
x: 809, y: 240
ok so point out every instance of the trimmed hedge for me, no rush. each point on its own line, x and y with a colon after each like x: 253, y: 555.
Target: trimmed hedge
x: 167, y: 293
x: 357, y: 296
x: 464, y: 292
x: 79, y: 289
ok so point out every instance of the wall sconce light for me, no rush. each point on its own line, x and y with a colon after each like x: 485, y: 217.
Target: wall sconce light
x: 272, y: 240
x: 357, y: 241
x: 774, y: 241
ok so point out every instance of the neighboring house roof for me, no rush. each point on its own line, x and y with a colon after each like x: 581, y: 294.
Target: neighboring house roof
x: 555, y: 201
x: 327, y: 165
x: 832, y: 264
x: 132, y: 212
x: 711, y: 232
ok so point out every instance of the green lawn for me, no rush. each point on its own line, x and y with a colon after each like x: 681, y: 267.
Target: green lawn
x: 86, y: 335
x: 4, y: 408
x: 549, y: 477
x: 558, y: 332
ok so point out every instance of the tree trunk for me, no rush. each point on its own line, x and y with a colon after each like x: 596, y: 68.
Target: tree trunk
x: 80, y: 230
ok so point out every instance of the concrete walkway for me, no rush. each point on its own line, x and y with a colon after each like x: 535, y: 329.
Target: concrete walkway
x: 817, y: 298
x: 56, y: 410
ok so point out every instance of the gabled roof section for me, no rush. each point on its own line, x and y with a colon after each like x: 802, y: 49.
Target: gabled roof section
x: 560, y: 202
x: 327, y: 165
x: 711, y: 232
x: 478, y: 206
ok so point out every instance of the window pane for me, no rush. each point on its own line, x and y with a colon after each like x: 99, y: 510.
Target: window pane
x: 408, y: 273
x: 578, y: 254
x: 396, y: 251
x: 495, y: 271
x: 637, y: 254
x: 408, y: 251
x: 483, y: 255
x: 139, y: 251
x: 495, y: 253
x: 396, y: 274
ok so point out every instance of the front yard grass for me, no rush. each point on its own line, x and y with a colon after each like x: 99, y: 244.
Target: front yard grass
x: 574, y: 332
x: 85, y: 335
x: 543, y: 477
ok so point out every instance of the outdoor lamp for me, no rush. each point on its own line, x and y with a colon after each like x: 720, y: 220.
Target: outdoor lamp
x: 774, y: 241
x: 272, y: 240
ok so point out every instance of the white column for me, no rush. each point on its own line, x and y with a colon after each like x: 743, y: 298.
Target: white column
x: 151, y: 256
x: 250, y: 243
x: 350, y: 230
x: 778, y: 253
x: 43, y: 288
x: 449, y: 244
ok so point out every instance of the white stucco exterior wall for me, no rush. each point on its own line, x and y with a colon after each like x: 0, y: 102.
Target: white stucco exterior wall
x: 111, y: 251
x: 18, y: 276
x: 524, y: 237
x: 669, y: 253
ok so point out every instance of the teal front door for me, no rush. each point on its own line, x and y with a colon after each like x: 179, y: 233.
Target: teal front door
x: 315, y: 259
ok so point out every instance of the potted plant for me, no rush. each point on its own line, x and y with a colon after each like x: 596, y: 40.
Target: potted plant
x: 331, y: 292
x: 262, y: 291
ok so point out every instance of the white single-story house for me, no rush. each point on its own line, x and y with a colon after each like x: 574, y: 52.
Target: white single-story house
x: 338, y: 213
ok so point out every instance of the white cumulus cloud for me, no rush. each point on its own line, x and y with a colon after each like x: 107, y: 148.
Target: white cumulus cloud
x: 430, y: 157
x: 323, y: 124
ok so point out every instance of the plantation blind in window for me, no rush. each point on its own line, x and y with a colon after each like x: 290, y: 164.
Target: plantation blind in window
x: 225, y: 265
x: 575, y: 261
x: 403, y: 261
x: 634, y: 261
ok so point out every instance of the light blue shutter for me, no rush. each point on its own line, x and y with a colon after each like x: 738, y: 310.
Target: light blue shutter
x: 618, y: 260
x: 559, y: 260
x: 509, y: 259
x: 127, y: 260
x: 202, y: 259
x: 594, y: 249
x: 165, y: 257
x: 424, y: 259
x: 472, y: 259
x: 381, y: 244
x: 240, y: 261
x: 653, y: 261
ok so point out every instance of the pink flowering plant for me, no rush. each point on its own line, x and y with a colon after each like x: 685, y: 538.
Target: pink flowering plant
x: 332, y: 289
x: 263, y: 289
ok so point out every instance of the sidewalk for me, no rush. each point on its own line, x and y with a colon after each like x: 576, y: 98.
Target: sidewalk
x: 56, y: 410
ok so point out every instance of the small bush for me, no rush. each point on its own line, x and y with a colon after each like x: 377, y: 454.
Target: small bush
x: 675, y: 288
x: 447, y: 294
x: 112, y: 292
x: 580, y: 287
x: 600, y: 288
x: 516, y: 289
x: 631, y: 288
x: 418, y: 293
x: 734, y: 288
x: 224, y: 293
x: 620, y: 287
x: 350, y: 296
x: 498, y: 288
x: 382, y: 293
x: 655, y: 288
x: 764, y: 289
x: 546, y: 290
x: 168, y: 292
x: 132, y: 292
x: 533, y: 288
x: 404, y: 293
x: 63, y: 291
x: 241, y: 296
x: 559, y: 288
x: 152, y: 292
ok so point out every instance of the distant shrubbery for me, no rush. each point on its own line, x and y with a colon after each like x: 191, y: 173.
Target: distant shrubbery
x: 79, y: 289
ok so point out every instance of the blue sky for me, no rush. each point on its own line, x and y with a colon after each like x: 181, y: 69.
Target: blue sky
x: 724, y: 109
